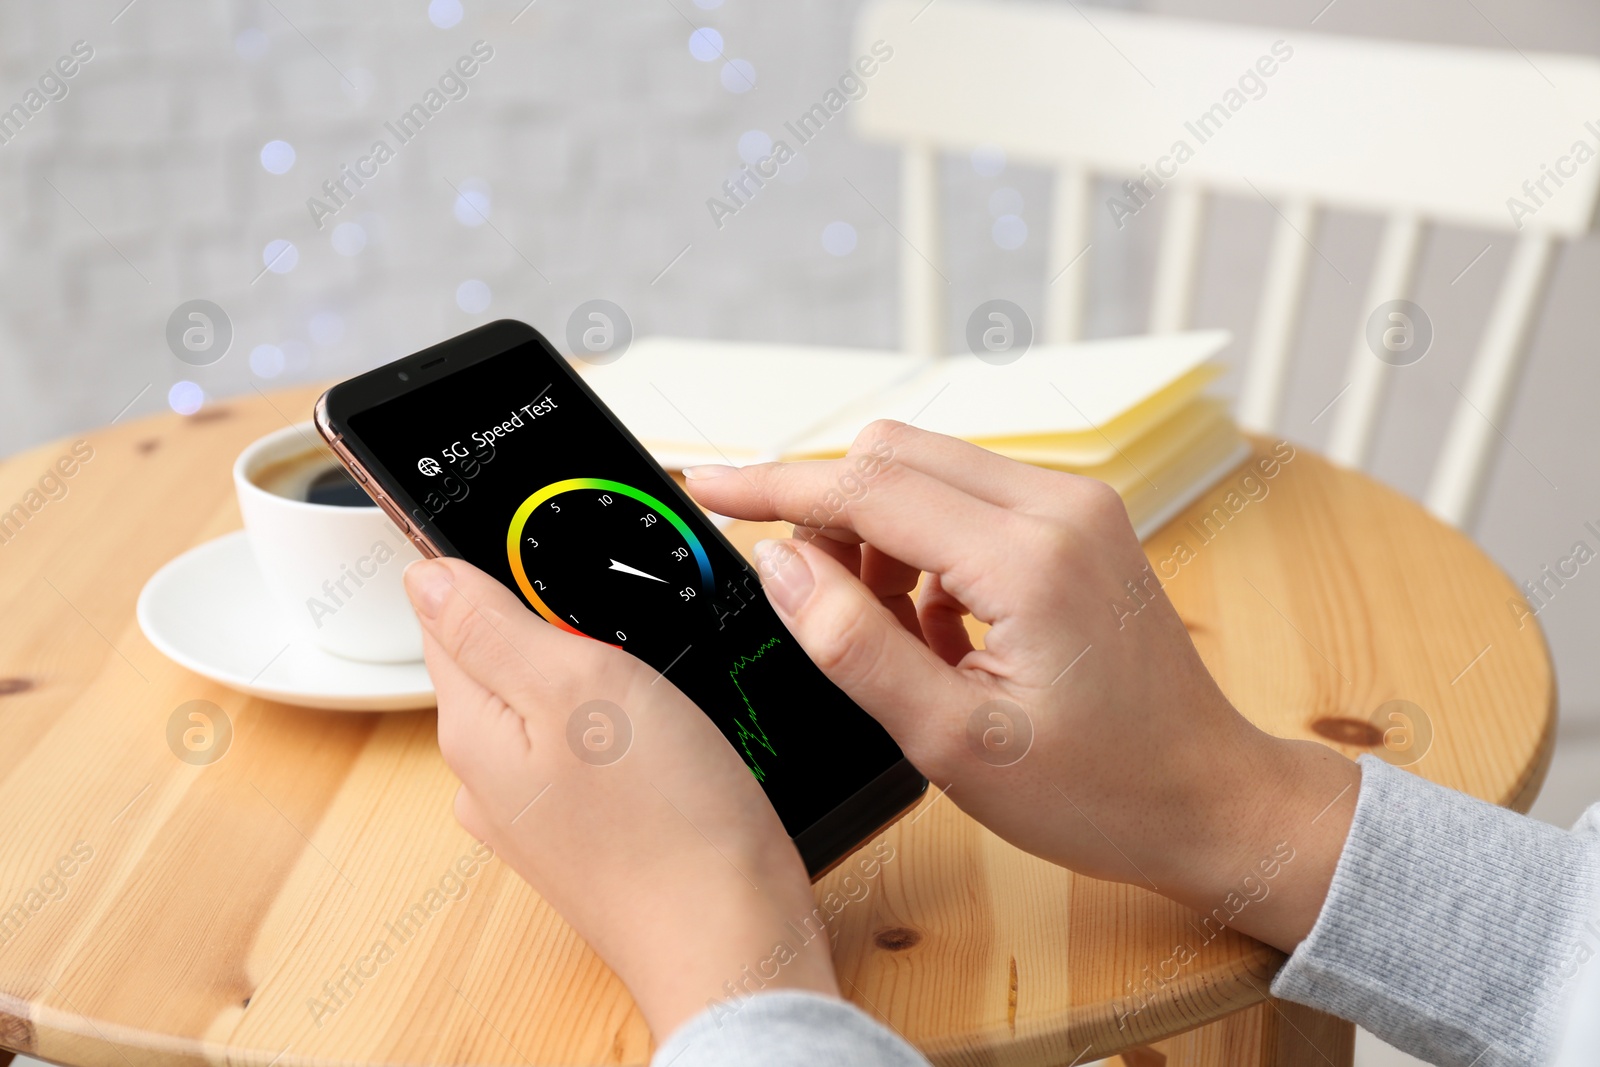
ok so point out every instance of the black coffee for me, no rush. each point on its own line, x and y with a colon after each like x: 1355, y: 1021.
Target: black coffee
x: 315, y: 477
x: 334, y: 486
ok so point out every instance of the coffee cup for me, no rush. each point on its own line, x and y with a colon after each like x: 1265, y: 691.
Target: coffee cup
x: 331, y: 560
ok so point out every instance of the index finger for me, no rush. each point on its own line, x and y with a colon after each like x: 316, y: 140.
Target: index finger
x: 975, y: 470
x: 915, y: 517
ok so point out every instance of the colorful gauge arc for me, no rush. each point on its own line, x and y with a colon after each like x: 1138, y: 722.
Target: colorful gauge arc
x: 555, y: 489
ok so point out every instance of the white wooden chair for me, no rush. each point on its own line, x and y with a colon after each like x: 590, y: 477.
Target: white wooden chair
x: 1417, y: 133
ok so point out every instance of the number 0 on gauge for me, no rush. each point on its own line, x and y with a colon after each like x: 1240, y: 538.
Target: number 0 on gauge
x: 605, y: 560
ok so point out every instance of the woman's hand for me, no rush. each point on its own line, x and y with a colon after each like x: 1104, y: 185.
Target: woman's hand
x: 616, y: 798
x: 1086, y: 730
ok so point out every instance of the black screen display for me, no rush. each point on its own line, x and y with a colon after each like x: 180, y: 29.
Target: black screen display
x: 514, y: 468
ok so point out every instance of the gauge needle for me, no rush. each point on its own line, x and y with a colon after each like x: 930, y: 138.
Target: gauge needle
x: 625, y: 569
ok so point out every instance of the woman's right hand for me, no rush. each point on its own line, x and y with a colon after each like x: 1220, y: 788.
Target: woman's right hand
x: 1086, y: 730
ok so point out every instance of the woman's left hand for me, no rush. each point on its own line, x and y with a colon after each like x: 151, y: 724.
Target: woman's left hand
x: 612, y: 794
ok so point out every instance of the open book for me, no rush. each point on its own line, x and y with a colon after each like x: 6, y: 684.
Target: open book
x: 1130, y: 411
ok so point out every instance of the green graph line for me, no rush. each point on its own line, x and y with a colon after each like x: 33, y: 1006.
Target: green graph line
x: 751, y: 731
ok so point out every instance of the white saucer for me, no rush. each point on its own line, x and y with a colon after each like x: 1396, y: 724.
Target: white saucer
x: 209, y: 610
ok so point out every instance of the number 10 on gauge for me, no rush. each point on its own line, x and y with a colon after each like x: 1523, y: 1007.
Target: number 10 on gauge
x: 605, y: 560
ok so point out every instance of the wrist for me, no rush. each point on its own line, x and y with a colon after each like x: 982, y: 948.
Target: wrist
x: 745, y: 949
x: 1269, y: 826
x: 671, y: 1000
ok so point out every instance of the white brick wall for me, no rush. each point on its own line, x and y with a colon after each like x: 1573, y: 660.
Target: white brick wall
x: 598, y: 133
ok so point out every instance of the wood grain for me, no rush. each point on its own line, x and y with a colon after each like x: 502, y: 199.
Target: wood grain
x: 1275, y: 1033
x: 224, y: 911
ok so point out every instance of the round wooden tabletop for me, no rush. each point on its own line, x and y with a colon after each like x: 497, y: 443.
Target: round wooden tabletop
x: 222, y: 912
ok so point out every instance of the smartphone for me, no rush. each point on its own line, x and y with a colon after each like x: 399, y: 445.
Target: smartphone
x: 489, y: 447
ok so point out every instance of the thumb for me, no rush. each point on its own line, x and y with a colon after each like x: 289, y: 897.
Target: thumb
x: 859, y: 644
x: 493, y: 640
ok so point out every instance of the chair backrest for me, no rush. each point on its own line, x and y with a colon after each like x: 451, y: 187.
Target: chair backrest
x: 1494, y: 140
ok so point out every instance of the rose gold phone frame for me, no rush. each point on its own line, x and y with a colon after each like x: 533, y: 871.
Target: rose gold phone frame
x: 368, y: 483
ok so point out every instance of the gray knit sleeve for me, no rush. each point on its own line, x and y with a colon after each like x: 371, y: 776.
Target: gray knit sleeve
x: 787, y: 1029
x: 1453, y: 929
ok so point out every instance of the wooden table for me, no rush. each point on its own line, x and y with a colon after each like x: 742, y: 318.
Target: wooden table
x: 219, y: 904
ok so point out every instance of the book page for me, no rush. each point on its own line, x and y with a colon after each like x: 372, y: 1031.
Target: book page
x: 728, y: 402
x: 1082, y: 397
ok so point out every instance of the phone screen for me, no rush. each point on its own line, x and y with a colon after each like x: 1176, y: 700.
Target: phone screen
x: 520, y: 473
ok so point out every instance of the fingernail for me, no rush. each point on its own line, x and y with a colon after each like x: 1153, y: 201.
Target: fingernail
x: 785, y: 574
x: 707, y: 471
x: 427, y: 583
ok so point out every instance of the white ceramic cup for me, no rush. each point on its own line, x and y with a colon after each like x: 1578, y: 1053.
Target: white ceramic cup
x: 333, y: 571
